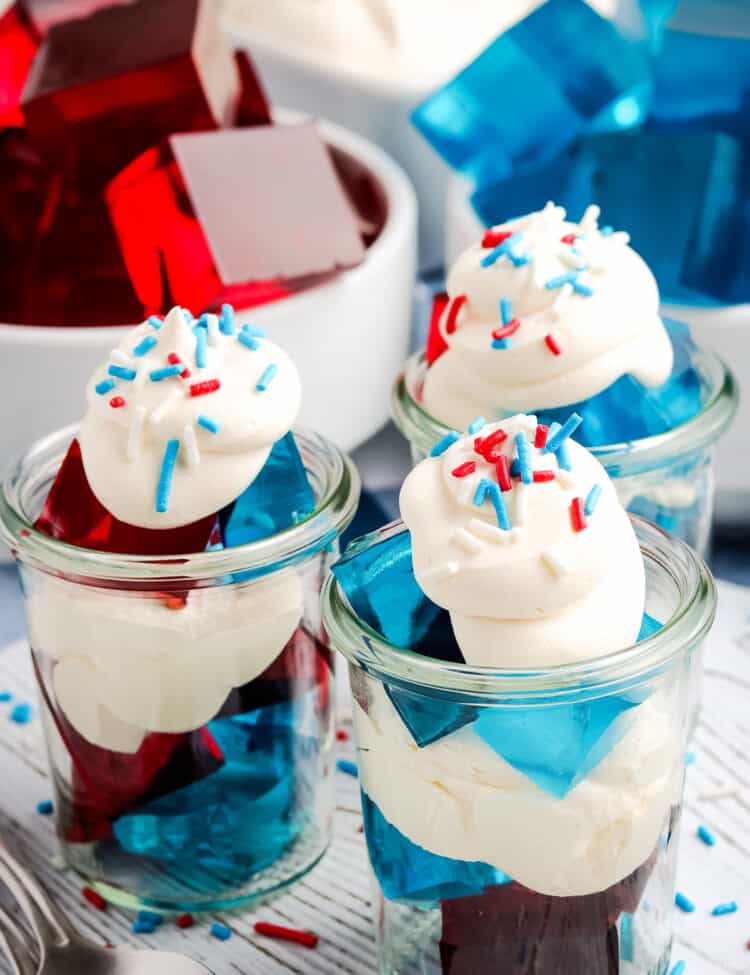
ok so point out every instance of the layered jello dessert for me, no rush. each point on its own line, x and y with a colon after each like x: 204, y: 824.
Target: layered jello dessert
x: 520, y: 654
x: 548, y: 315
x: 171, y: 551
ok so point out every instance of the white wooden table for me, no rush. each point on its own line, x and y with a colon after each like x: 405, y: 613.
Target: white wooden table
x: 335, y: 901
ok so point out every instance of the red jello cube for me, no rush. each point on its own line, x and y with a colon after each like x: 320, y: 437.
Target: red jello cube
x: 207, y: 219
x: 104, y: 88
x: 18, y: 45
x: 73, y: 514
x: 46, y: 13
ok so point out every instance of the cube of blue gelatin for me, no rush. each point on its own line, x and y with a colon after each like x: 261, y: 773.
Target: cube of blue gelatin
x: 278, y: 498
x: 534, y: 90
x: 407, y: 872
x: 429, y: 718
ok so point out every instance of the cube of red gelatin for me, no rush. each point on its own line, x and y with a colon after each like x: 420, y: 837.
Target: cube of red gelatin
x: 46, y: 13
x: 104, y: 88
x: 73, y: 514
x: 18, y: 45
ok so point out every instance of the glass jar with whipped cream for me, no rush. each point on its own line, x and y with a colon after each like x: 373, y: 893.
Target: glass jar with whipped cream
x: 525, y: 819
x: 186, y: 699
x: 550, y: 316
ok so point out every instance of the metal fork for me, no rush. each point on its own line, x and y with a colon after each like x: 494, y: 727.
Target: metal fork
x: 56, y: 948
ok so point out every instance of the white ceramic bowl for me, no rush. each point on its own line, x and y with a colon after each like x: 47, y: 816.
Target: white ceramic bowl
x: 348, y: 337
x: 725, y: 331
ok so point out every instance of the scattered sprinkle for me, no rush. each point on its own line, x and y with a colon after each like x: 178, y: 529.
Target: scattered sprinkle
x: 560, y: 435
x: 244, y: 338
x: 485, y: 446
x: 607, y: 231
x: 305, y: 938
x: 679, y: 968
x: 5, y: 696
x: 592, y: 499
x: 187, y: 315
x: 502, y: 469
x: 342, y: 735
x: 21, y: 713
x: 164, y: 486
x: 689, y: 758
x: 568, y: 239
x: 524, y: 457
x: 626, y: 936
x: 552, y: 344
x: 208, y: 424
x: 504, y: 248
x: 440, y: 572
x: 96, y: 900
x: 540, y: 437
x: 730, y: 907
x: 541, y: 477
x: 455, y: 307
x: 498, y: 503
x: 347, y: 767
x: 185, y: 921
x: 468, y: 542
x: 104, y: 387
x: 145, y: 345
x: 571, y: 278
x: 192, y: 454
x: 706, y: 836
x: 463, y: 470
x: 117, y: 402
x: 150, y: 917
x: 444, y: 443
x: 166, y: 372
x: 553, y: 562
x: 142, y: 927
x: 45, y: 808
x: 202, y: 389
x: 220, y: 931
x: 122, y: 372
x: 266, y: 378
x: 226, y: 320
x: 494, y: 237
x: 201, y: 343
x: 476, y: 425
x: 155, y: 322
x: 174, y: 360
x: 505, y: 311
x: 501, y: 334
x: 684, y: 903
x: 492, y: 533
x: 578, y: 515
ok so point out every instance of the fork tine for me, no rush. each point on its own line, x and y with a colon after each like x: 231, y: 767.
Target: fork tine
x: 50, y: 926
x: 15, y: 944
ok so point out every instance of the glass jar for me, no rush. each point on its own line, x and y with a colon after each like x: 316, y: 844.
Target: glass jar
x: 186, y: 700
x: 668, y: 478
x: 540, y: 831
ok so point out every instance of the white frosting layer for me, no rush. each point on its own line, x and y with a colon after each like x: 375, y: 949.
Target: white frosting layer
x: 611, y: 330
x: 458, y: 798
x: 123, y: 447
x: 127, y: 664
x: 540, y: 594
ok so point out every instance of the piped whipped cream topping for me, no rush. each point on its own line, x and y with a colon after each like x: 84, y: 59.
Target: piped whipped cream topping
x: 517, y: 531
x: 545, y: 312
x: 183, y: 415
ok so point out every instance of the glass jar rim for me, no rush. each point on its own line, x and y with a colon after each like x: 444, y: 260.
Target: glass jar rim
x: 423, y: 430
x: 334, y: 510
x: 614, y: 672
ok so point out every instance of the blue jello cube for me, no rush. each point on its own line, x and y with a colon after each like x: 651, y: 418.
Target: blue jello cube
x: 279, y: 497
x: 537, y: 87
x: 407, y: 872
x: 429, y: 718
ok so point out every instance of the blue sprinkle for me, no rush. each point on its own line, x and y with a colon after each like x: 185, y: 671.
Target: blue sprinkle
x: 122, y: 372
x: 266, y: 378
x: 518, y: 260
x: 524, y: 457
x: 607, y: 231
x: 563, y: 456
x: 104, y: 386
x: 347, y: 767
x: 689, y: 758
x: 498, y: 503
x: 21, y: 714
x: 684, y: 903
x: 200, y: 348
x: 143, y: 927
x: 5, y: 696
x: 679, y: 968
x: 501, y: 343
x: 145, y: 346
x: 156, y: 375
x: 582, y: 289
x: 208, y: 424
x: 203, y: 320
x: 705, y: 834
x: 442, y: 445
x: 226, y: 320
x: 497, y: 252
x: 221, y: 931
x: 248, y: 341
x: 255, y: 331
x: 150, y: 917
x: 505, y: 311
x: 155, y: 322
x: 187, y: 315
x: 481, y: 492
x: 515, y: 468
x: 164, y: 486
x: 721, y: 909
x: 559, y: 436
x: 626, y: 937
x: 476, y: 425
x: 570, y: 277
x: 592, y: 498
x: 45, y: 808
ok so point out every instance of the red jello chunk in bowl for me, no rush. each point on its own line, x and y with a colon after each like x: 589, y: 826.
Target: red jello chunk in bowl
x: 182, y: 214
x: 106, y: 87
x: 73, y: 514
x: 18, y: 45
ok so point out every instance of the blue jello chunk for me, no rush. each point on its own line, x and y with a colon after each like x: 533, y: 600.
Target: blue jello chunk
x: 215, y: 832
x: 279, y: 497
x: 429, y: 718
x: 407, y: 872
x: 649, y: 626
x: 534, y: 90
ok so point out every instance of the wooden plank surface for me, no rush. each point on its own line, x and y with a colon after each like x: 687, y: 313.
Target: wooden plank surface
x: 335, y: 899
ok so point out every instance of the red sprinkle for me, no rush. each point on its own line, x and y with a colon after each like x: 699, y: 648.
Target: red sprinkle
x: 552, y: 345
x: 578, y: 515
x: 463, y: 470
x: 342, y: 735
x: 568, y: 239
x: 540, y: 440
x: 209, y: 386
x: 507, y: 330
x: 503, y: 473
x: 25, y: 533
x: 171, y: 601
x: 185, y: 921
x: 116, y: 402
x: 361, y: 828
x: 174, y: 360
x: 485, y: 446
x: 493, y: 238
x: 541, y: 476
x: 306, y: 938
x: 456, y: 306
x: 96, y: 900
